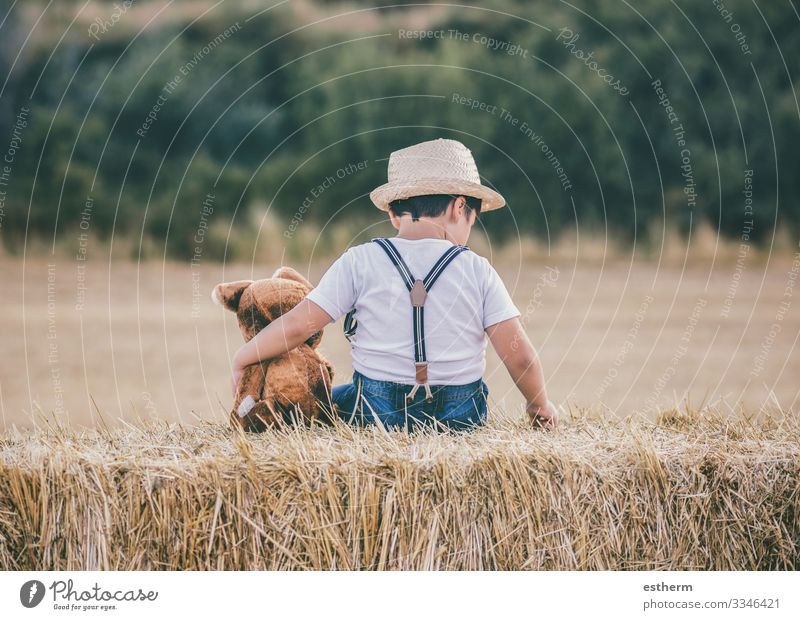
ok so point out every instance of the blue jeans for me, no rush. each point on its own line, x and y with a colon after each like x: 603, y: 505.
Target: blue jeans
x: 457, y: 407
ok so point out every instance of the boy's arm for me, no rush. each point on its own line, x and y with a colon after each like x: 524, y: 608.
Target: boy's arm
x: 280, y: 336
x: 520, y: 358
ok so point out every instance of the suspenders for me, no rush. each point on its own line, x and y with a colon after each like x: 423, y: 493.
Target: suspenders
x: 418, y: 291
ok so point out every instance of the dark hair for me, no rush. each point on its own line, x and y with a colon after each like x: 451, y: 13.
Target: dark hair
x: 430, y: 205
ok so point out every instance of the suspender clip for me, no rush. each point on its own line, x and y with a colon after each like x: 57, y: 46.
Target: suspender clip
x: 421, y: 377
x: 413, y: 392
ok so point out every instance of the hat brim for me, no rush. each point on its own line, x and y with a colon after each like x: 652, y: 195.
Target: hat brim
x: 384, y: 194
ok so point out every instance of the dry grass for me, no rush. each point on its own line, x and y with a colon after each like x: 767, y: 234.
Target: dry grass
x: 690, y: 490
x: 138, y: 349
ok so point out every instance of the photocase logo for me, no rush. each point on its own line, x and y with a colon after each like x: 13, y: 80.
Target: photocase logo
x: 31, y: 593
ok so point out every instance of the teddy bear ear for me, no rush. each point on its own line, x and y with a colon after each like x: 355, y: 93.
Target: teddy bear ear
x: 287, y: 273
x: 228, y: 293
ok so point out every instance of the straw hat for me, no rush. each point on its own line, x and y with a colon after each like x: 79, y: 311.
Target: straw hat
x: 438, y: 166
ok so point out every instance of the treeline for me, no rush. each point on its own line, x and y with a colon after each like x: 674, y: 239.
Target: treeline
x: 180, y: 124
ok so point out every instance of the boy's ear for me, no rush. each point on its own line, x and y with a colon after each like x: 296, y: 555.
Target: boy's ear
x: 459, y: 206
x: 228, y: 294
x: 394, y: 219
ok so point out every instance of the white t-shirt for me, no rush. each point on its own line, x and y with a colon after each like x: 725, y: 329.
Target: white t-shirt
x: 468, y: 297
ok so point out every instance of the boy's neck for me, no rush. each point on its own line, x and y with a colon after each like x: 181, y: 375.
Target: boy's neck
x: 427, y: 228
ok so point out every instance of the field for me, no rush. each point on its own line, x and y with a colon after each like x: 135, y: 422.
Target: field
x: 126, y: 340
x: 138, y: 355
x: 648, y: 159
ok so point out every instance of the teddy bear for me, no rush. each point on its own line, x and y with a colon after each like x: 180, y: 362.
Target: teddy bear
x: 292, y: 387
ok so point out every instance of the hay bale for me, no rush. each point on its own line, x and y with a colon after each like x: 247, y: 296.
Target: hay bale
x: 688, y: 491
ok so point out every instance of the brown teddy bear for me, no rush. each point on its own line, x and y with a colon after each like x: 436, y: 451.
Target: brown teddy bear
x: 292, y: 387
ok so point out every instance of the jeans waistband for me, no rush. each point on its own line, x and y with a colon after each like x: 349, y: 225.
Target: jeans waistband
x: 390, y: 388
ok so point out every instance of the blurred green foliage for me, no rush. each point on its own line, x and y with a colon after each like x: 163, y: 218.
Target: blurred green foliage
x: 295, y: 94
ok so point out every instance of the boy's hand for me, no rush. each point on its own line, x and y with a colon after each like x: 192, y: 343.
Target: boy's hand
x: 543, y: 417
x: 280, y: 336
x: 517, y: 353
x: 236, y: 376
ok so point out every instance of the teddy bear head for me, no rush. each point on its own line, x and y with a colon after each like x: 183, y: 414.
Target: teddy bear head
x: 259, y: 302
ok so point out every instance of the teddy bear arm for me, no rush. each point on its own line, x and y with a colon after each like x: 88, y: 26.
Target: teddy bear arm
x: 251, y: 389
x: 296, y: 380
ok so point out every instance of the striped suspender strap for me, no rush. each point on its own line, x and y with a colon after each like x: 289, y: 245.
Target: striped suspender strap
x: 418, y: 290
x: 350, y: 324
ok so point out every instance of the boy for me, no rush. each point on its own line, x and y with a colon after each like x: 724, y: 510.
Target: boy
x: 418, y: 306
